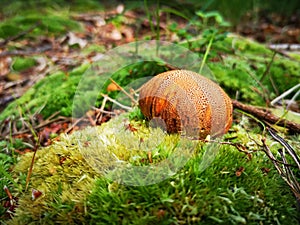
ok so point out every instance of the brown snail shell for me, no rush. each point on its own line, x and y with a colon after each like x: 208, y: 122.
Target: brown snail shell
x: 187, y: 102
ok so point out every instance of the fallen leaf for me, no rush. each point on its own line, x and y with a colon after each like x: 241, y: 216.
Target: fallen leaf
x: 161, y: 213
x: 116, y: 35
x: 120, y: 8
x: 73, y: 40
x: 5, y: 65
x: 13, y: 77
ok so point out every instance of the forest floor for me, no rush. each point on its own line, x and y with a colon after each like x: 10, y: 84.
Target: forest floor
x: 43, y: 56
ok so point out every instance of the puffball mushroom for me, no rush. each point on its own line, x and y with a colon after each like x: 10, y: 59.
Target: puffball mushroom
x: 187, y: 102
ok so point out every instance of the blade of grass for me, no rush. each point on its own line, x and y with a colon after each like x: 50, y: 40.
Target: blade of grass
x: 206, y: 52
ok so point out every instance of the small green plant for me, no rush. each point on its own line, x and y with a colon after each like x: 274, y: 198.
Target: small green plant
x: 155, y: 26
x: 212, y: 25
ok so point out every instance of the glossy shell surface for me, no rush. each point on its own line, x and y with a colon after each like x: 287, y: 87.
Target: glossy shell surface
x: 187, y: 102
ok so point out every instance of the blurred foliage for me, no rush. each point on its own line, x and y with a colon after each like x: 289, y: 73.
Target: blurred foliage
x: 10, y: 8
x: 23, y: 63
x: 43, y: 23
x: 232, y: 10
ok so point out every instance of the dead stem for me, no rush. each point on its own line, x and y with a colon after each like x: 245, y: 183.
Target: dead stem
x: 116, y: 102
x: 125, y: 92
x: 266, y: 115
x: 37, y: 145
x: 289, y: 148
x: 285, y: 171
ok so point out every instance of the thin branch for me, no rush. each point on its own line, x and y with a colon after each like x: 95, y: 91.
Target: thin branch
x: 17, y: 36
x: 116, y: 102
x: 265, y: 91
x: 100, y: 114
x: 268, y: 67
x: 274, y: 101
x: 285, y: 172
x: 293, y: 99
x: 289, y: 148
x: 103, y: 111
x: 41, y: 125
x: 73, y: 125
x: 125, y: 92
x: 289, y: 173
x: 267, y: 116
x: 274, y: 161
x: 32, y: 162
x: 26, y: 52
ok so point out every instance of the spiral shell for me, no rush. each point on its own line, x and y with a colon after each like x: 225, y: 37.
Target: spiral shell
x: 187, y: 102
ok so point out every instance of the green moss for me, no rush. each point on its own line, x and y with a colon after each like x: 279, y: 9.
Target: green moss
x: 19, y: 7
x: 65, y: 177
x: 235, y: 79
x: 75, y: 193
x: 243, y: 69
x: 55, y: 93
x: 248, y: 46
x: 126, y: 76
x: 295, y: 56
x: 285, y: 74
x: 65, y: 180
x: 20, y: 64
x: 51, y: 22
x: 216, y: 195
x: 94, y: 48
x: 52, y: 94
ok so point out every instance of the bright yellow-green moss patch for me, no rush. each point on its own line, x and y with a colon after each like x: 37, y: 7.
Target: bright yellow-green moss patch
x: 62, y: 171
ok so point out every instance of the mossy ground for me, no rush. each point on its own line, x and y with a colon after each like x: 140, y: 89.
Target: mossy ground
x: 50, y: 95
x: 55, y: 93
x: 242, y: 73
x: 73, y: 192
x: 246, y: 70
x: 236, y: 188
x: 46, y: 22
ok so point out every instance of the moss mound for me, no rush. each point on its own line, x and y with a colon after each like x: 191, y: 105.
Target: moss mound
x: 234, y: 188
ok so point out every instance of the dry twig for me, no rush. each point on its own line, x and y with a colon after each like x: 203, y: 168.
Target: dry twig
x: 125, y: 92
x: 17, y: 36
x: 116, y: 102
x: 285, y: 171
x: 37, y: 145
x: 267, y: 116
